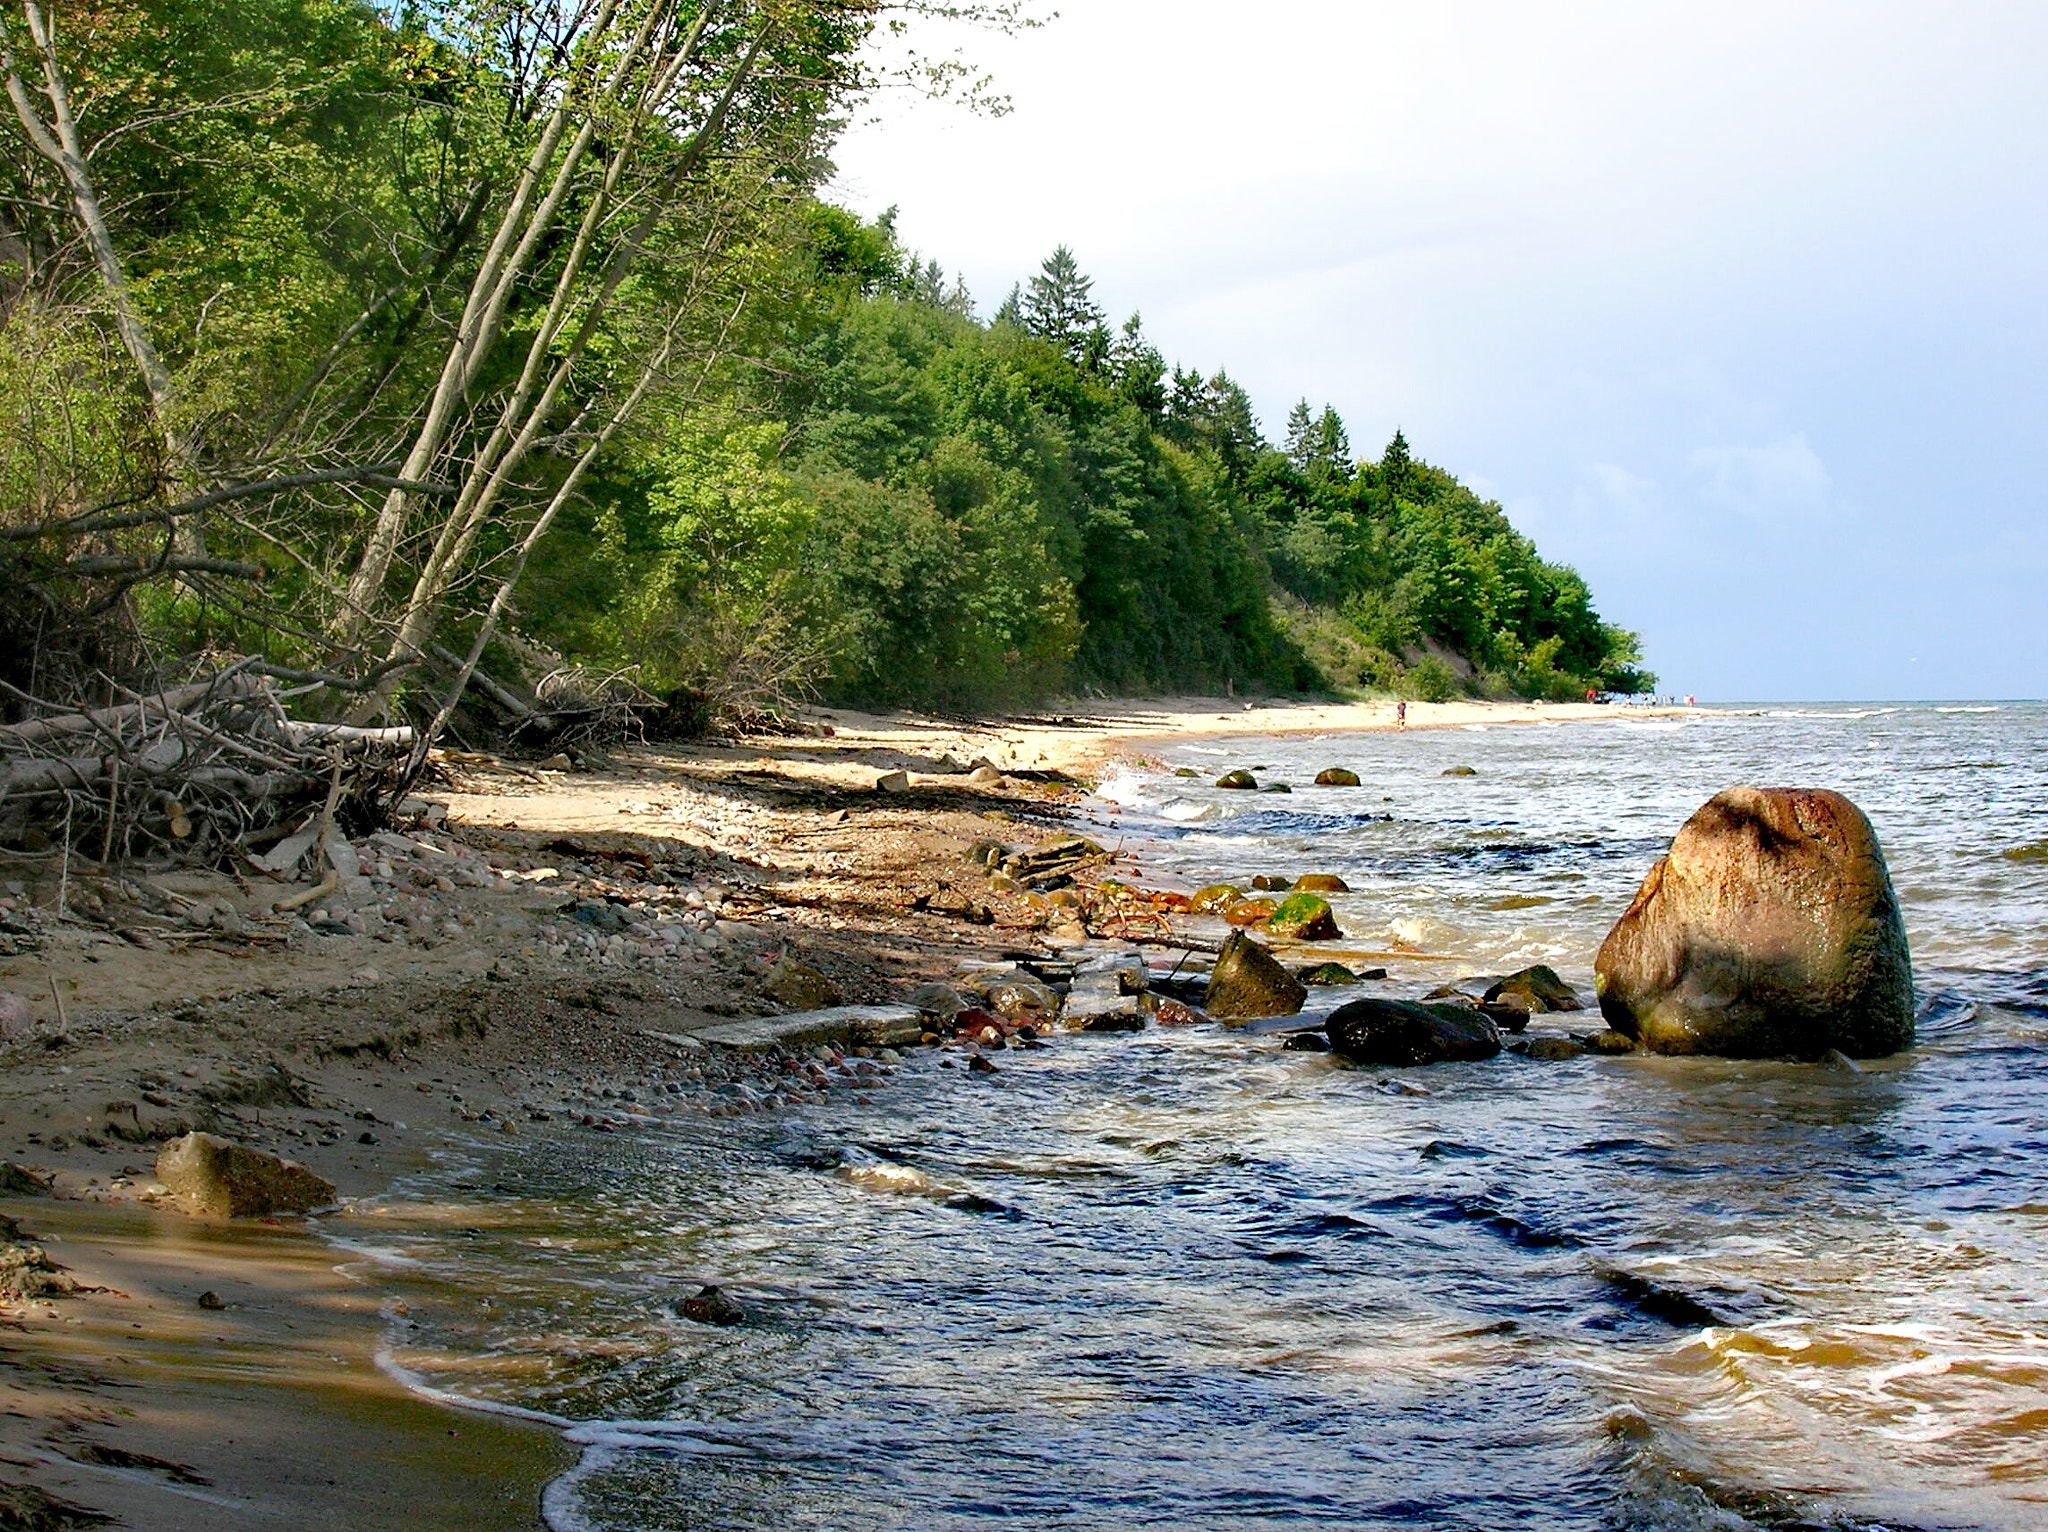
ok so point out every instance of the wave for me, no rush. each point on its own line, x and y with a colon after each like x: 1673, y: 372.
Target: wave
x: 1124, y: 786
x: 1794, y: 712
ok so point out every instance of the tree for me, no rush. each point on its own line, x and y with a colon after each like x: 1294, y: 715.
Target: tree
x: 1056, y: 306
x: 1138, y: 370
x: 1397, y: 468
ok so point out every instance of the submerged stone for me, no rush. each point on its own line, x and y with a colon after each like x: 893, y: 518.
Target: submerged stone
x: 1321, y: 883
x: 1336, y: 776
x: 1239, y: 781
x: 1404, y: 1033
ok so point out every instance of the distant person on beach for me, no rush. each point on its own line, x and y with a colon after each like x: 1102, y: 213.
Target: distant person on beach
x: 1400, y: 715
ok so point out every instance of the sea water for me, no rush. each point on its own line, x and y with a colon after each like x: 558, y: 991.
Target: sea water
x: 1188, y: 1279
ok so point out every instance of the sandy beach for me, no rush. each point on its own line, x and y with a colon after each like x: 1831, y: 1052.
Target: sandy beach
x: 459, y: 992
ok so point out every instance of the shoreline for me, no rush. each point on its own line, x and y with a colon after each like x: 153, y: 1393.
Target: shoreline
x: 472, y: 1001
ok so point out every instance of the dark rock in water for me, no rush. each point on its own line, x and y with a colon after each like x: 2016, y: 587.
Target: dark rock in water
x: 1840, y: 1062
x: 1177, y: 1013
x: 1551, y: 1050
x: 1402, y: 1033
x: 1659, y: 1300
x: 1276, y: 787
x: 1371, y: 973
x: 1459, y: 771
x: 1509, y: 1018
x: 1267, y: 882
x: 1304, y: 917
x: 1611, y: 1041
x: 1241, y: 781
x: 211, y: 1300
x: 205, y: 1174
x: 1321, y: 883
x: 1185, y: 771
x: 1770, y: 929
x: 1536, y: 989
x: 1248, y: 912
x: 1336, y: 776
x: 1249, y: 981
x: 1327, y: 973
x: 710, y: 1306
x: 980, y: 1065
x: 1307, y: 1042
x: 1214, y: 899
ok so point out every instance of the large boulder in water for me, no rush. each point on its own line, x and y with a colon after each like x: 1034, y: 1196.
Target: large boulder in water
x: 1405, y: 1033
x: 1770, y: 929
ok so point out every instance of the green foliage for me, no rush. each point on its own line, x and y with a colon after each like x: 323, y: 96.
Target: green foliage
x: 841, y: 480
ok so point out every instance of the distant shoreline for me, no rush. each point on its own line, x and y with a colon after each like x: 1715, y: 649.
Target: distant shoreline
x: 1081, y: 736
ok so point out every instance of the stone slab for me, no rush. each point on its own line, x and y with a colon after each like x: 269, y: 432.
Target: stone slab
x: 874, y: 1026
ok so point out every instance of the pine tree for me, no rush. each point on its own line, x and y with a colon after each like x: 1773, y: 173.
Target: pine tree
x: 1012, y: 310
x: 1138, y: 370
x: 1397, y: 468
x: 1332, y: 447
x: 1301, y: 436
x: 1184, y: 404
x: 1057, y: 306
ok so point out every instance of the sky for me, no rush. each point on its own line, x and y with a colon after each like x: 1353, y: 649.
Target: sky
x: 1740, y: 309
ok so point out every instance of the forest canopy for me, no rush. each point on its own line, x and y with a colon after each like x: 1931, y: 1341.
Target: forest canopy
x: 399, y: 344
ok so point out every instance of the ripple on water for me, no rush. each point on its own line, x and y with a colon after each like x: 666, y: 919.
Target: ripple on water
x: 1191, y: 1280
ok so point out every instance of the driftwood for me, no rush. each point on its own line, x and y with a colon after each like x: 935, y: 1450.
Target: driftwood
x: 209, y: 771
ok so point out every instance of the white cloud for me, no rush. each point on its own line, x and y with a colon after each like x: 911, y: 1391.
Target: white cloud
x: 1782, y: 481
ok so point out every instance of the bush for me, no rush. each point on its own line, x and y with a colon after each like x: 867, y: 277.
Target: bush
x: 1432, y: 680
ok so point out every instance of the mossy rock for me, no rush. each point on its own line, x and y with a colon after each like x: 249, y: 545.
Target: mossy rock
x: 1321, y: 883
x: 1276, y: 787
x: 1459, y: 771
x: 1239, y: 781
x: 1214, y: 899
x: 1268, y: 883
x: 1304, y: 917
x: 1326, y: 974
x: 1536, y: 988
x: 1336, y: 776
x: 1185, y: 771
